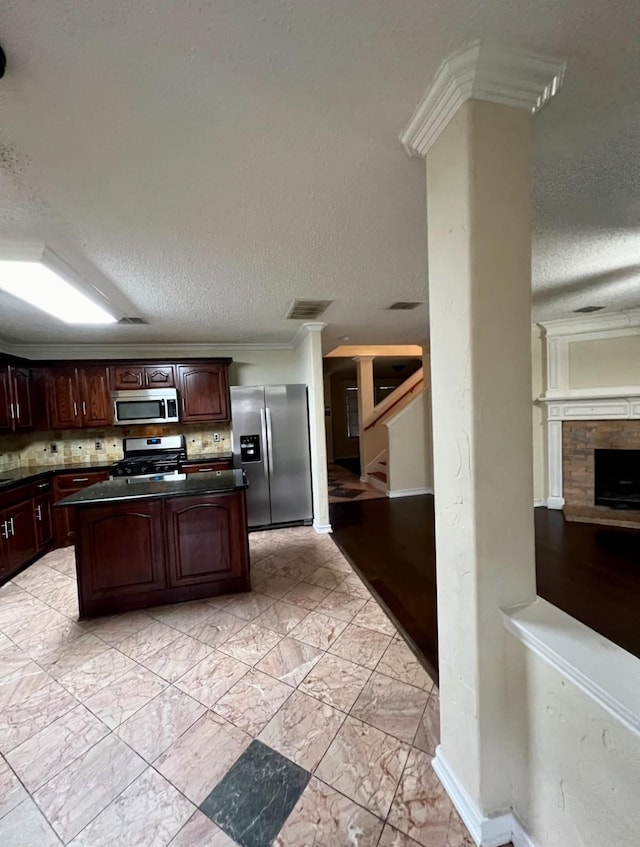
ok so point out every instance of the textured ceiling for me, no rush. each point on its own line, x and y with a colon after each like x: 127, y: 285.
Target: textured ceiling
x: 213, y: 160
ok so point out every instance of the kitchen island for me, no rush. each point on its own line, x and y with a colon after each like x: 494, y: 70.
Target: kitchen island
x: 142, y: 543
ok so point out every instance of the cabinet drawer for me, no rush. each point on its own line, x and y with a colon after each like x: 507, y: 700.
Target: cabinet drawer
x: 42, y: 486
x: 205, y: 467
x: 68, y: 482
x: 15, y: 495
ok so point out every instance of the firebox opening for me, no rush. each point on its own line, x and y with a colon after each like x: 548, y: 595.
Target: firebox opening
x: 617, y: 479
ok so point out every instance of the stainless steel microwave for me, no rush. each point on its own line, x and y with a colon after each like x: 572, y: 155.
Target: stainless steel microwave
x: 145, y: 406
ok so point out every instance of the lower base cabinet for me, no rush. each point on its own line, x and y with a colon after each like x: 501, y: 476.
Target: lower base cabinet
x: 17, y: 537
x: 135, y: 554
x: 64, y: 530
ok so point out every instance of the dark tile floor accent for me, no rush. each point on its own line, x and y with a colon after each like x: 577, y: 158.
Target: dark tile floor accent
x: 349, y: 494
x: 590, y: 572
x: 256, y: 796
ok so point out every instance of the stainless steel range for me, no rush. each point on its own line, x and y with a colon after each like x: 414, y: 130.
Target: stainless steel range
x: 154, y: 459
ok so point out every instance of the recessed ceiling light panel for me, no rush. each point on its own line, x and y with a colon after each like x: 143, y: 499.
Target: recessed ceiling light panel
x: 586, y: 310
x: 38, y: 277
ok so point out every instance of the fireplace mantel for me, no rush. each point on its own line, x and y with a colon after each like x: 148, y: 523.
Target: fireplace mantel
x: 595, y: 404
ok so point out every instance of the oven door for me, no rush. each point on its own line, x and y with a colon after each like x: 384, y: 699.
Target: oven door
x: 145, y: 407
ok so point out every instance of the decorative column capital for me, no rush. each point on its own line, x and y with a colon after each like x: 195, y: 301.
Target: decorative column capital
x: 481, y: 72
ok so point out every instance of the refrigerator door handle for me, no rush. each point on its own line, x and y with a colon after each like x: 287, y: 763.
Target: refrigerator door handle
x: 266, y: 445
x: 269, y: 439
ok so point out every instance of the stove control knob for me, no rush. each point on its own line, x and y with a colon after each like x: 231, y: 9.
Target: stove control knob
x: 127, y: 470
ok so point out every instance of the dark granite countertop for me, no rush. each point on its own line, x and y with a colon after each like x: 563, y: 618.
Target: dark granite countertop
x: 114, y: 490
x: 207, y: 457
x: 16, y: 476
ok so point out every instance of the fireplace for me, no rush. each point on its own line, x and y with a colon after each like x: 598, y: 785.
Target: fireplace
x: 617, y: 478
x: 601, y: 471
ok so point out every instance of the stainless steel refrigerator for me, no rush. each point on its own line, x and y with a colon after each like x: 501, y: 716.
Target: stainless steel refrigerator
x: 270, y: 432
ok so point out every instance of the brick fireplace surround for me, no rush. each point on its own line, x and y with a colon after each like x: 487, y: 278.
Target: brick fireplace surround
x: 579, y: 440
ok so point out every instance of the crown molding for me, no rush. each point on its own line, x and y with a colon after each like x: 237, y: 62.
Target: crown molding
x: 172, y: 352
x: 481, y: 72
x: 598, y: 322
x: 305, y: 329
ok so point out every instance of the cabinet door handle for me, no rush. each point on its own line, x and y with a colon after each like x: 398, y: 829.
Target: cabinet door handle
x: 11, y: 411
x: 81, y: 479
x: 202, y: 470
x: 75, y: 409
x: 18, y: 411
x: 184, y: 405
x: 12, y: 528
x: 39, y: 512
x: 5, y: 529
x: 84, y: 408
x: 43, y: 485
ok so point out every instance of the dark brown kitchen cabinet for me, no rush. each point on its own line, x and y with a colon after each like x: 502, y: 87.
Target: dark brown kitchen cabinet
x: 131, y: 554
x: 142, y: 376
x: 15, y: 399
x: 41, y: 493
x: 95, y: 396
x: 208, y: 467
x: 17, y: 537
x: 64, y: 411
x: 39, y: 404
x: 5, y: 401
x: 204, y: 392
x: 203, y: 539
x: 79, y: 397
x: 122, y: 551
x: 63, y: 485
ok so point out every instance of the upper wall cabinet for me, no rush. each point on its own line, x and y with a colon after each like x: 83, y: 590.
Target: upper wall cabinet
x: 142, y: 376
x: 15, y: 399
x: 79, y: 397
x: 204, y: 392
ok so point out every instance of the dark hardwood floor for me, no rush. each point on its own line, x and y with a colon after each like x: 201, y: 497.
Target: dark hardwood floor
x: 591, y: 572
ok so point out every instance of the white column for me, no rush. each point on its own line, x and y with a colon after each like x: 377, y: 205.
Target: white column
x: 555, y: 498
x: 308, y: 344
x: 479, y: 176
x: 366, y: 403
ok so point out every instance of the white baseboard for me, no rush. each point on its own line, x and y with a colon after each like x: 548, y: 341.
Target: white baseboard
x: 322, y: 528
x: 555, y: 502
x: 486, y: 832
x: 409, y: 492
x: 519, y: 837
x: 541, y: 502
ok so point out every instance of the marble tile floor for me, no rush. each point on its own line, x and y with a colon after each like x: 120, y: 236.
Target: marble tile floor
x: 293, y: 716
x: 345, y: 485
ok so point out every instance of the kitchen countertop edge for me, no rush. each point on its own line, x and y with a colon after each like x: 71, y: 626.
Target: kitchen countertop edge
x: 122, y: 490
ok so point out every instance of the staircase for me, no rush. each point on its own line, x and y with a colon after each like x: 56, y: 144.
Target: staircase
x: 394, y: 438
x: 377, y: 472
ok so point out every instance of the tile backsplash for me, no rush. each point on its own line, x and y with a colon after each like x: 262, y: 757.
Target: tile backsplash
x: 34, y: 448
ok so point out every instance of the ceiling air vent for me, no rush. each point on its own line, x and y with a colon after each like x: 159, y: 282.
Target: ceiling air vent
x: 586, y: 310
x: 129, y: 321
x: 307, y: 310
x: 403, y: 306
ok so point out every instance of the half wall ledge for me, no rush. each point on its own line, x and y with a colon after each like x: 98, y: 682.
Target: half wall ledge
x: 605, y: 672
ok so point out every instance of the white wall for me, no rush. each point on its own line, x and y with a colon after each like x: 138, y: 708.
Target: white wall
x: 263, y: 367
x: 252, y: 365
x: 428, y: 424
x: 576, y: 767
x: 600, y: 362
x: 408, y: 465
